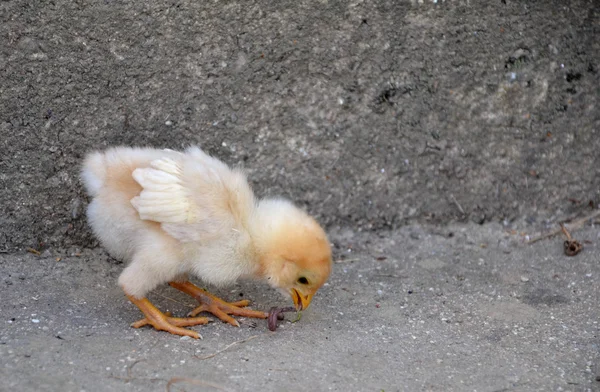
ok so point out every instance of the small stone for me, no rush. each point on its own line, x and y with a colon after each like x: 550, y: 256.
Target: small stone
x: 524, y: 279
x: 184, y: 338
x: 35, y: 321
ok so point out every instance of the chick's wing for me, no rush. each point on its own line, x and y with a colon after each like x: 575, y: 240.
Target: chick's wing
x: 193, y: 196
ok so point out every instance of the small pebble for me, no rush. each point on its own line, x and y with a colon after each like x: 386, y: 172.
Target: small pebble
x: 35, y: 321
x: 524, y: 279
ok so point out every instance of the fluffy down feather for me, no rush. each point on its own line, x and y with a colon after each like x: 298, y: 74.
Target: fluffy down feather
x: 171, y: 213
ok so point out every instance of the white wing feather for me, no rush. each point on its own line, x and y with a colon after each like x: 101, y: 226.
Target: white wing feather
x: 194, y: 196
x: 164, y: 199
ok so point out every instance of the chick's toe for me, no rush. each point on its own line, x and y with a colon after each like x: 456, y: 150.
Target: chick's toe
x: 162, y: 322
x: 216, y: 306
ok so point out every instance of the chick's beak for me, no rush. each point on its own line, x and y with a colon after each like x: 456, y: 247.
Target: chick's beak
x: 301, y: 302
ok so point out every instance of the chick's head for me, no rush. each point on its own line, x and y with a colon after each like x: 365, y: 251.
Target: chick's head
x: 294, y: 251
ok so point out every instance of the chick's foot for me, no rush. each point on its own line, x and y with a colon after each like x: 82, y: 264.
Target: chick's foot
x: 218, y: 307
x: 163, y: 322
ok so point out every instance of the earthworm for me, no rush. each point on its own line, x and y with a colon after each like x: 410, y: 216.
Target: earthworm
x: 275, y: 314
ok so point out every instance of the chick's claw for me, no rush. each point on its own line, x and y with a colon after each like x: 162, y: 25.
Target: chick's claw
x: 163, y: 322
x: 216, y: 306
x: 175, y: 321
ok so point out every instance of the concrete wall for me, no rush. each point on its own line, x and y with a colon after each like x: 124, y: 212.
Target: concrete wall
x: 370, y: 114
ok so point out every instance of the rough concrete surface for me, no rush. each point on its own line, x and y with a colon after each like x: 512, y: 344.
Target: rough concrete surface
x: 464, y: 308
x: 372, y: 114
x: 394, y: 122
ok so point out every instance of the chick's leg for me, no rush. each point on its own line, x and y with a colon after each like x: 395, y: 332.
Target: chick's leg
x: 163, y: 322
x: 218, y: 307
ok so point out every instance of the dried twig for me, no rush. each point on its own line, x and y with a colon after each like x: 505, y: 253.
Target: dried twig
x: 572, y: 226
x: 35, y: 252
x: 565, y: 232
x: 193, y: 381
x: 130, y: 376
x: 131, y: 367
x: 457, y: 204
x: 226, y: 348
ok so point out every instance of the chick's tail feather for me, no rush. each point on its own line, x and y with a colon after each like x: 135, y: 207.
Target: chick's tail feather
x: 93, y: 173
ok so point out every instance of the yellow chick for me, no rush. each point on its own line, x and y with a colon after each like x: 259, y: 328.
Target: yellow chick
x: 172, y: 214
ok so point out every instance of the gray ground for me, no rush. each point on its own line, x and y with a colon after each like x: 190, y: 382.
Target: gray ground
x: 475, y: 310
x: 395, y: 122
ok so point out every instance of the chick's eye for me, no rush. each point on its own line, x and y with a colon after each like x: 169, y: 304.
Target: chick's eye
x: 302, y: 280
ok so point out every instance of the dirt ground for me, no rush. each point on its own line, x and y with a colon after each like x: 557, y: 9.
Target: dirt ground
x: 394, y: 122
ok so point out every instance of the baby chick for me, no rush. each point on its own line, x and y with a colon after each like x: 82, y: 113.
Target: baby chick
x: 172, y: 214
